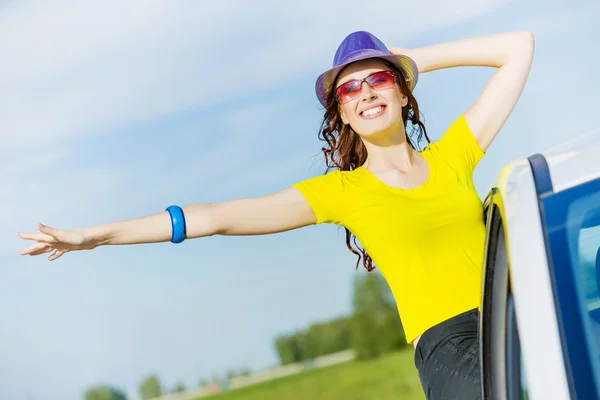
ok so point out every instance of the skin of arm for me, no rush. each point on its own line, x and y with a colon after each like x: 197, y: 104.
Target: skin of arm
x: 277, y: 212
x: 511, y: 53
x: 272, y: 213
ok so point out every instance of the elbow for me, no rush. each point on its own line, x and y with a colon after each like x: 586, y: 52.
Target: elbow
x: 529, y: 39
x: 520, y: 48
x: 529, y: 47
x: 527, y: 42
x: 527, y: 35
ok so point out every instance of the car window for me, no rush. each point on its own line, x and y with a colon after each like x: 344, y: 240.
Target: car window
x: 583, y: 233
x: 572, y: 225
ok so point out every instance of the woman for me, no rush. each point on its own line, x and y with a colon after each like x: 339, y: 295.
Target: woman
x: 416, y: 213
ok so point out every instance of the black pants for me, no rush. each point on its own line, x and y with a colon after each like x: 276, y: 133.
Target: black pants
x: 447, y: 358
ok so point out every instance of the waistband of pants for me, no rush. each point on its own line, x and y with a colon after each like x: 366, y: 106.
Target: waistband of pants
x: 464, y: 323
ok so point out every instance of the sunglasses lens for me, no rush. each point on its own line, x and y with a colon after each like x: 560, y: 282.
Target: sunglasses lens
x: 351, y: 90
x: 348, y: 91
x: 381, y: 80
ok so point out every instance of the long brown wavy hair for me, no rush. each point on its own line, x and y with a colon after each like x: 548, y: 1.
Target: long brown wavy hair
x: 345, y: 150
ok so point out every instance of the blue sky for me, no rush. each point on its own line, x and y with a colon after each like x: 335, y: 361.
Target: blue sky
x: 110, y: 113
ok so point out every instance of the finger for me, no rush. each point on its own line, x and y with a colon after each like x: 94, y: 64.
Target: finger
x: 55, y: 255
x: 42, y: 251
x: 48, y: 230
x: 59, y: 235
x: 33, y: 248
x: 38, y: 237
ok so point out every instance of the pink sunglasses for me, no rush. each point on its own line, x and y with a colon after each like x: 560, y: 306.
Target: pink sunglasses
x: 351, y: 90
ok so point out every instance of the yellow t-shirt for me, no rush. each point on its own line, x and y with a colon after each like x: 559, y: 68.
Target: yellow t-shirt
x: 428, y: 242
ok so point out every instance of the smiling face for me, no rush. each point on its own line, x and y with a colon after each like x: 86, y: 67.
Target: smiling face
x: 375, y: 111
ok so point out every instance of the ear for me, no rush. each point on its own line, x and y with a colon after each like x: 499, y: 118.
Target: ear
x: 403, y: 100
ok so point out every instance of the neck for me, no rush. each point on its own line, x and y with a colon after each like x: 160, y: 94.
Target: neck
x: 387, y: 151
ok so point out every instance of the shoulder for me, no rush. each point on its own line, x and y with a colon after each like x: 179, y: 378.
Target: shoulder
x: 326, y: 185
x: 326, y: 195
x: 457, y: 145
x: 456, y: 132
x: 333, y: 178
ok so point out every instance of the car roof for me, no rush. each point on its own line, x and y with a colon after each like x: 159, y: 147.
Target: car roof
x: 575, y: 161
x: 571, y: 163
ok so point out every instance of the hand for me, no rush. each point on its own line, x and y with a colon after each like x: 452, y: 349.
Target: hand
x: 54, y: 240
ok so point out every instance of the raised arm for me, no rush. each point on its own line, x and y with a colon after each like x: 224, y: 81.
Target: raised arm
x: 273, y: 213
x: 511, y: 53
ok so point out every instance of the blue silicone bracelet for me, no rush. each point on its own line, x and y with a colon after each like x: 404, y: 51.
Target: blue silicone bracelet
x: 177, y: 224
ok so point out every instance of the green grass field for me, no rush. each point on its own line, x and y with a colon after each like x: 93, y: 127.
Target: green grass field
x: 392, y: 376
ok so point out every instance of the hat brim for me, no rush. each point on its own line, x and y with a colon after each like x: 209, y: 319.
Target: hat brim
x: 404, y: 63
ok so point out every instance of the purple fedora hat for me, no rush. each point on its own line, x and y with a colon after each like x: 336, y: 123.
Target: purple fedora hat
x: 360, y: 46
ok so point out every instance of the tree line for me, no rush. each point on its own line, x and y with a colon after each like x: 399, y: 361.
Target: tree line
x: 372, y: 329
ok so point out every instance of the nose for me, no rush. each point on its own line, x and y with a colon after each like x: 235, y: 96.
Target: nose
x: 367, y: 92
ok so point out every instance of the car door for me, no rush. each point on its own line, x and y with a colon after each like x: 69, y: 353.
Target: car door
x: 559, y: 294
x: 571, y: 219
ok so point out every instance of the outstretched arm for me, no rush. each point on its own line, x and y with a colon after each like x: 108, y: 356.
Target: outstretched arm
x: 511, y: 53
x: 273, y: 213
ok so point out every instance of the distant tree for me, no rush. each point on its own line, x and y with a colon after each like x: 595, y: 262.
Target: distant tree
x: 328, y: 337
x: 343, y: 329
x: 373, y: 328
x: 180, y: 387
x: 300, y: 345
x: 290, y: 348
x: 376, y: 326
x: 150, y: 388
x: 245, y: 371
x: 104, y: 392
x: 319, y: 339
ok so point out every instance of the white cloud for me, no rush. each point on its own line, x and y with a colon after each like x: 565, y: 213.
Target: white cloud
x: 85, y: 68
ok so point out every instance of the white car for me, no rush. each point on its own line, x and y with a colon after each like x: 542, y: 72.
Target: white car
x: 540, y: 317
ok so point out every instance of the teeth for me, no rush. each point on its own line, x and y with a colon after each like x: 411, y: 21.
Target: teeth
x: 372, y: 111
